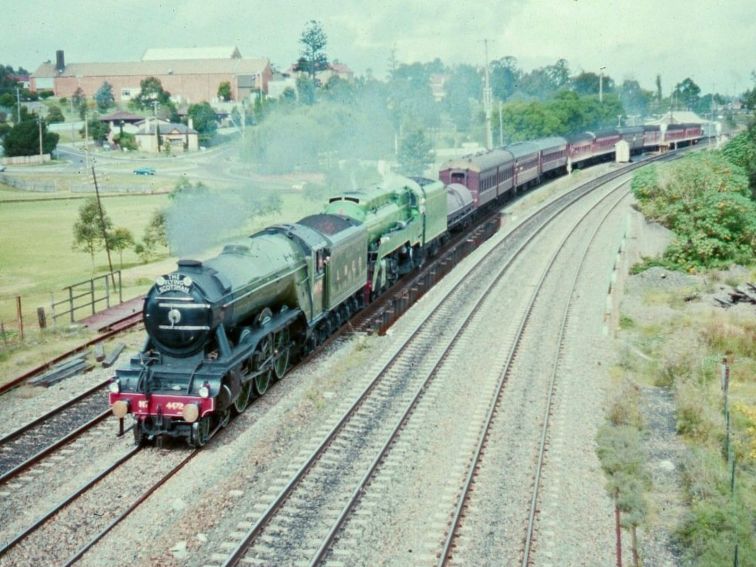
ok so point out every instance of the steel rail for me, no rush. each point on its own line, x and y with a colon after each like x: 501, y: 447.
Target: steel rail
x: 146, y: 494
x: 65, y: 502
x: 23, y: 429
x: 552, y: 384
x: 34, y: 459
x: 238, y: 553
x: 117, y: 327
x: 445, y: 555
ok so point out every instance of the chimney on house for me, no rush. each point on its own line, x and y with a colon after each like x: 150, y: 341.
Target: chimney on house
x: 191, y: 123
x: 60, y: 61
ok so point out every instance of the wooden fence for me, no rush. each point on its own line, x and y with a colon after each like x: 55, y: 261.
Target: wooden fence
x: 86, y: 296
x: 80, y: 300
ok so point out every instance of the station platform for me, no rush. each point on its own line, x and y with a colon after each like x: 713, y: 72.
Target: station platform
x: 106, y: 319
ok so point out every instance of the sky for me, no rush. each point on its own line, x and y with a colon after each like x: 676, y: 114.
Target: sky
x: 711, y: 41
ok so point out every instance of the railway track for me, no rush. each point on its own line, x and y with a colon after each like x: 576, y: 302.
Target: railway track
x: 446, y: 557
x: 352, y: 423
x: 111, y: 331
x: 70, y: 528
x: 317, y: 500
x: 28, y: 445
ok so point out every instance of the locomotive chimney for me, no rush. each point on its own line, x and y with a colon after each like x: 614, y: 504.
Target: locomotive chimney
x: 60, y: 61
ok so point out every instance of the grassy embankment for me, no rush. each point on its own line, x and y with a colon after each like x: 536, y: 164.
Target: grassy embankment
x: 36, y: 238
x: 708, y: 204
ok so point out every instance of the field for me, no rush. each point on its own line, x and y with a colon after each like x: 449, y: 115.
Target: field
x: 36, y: 238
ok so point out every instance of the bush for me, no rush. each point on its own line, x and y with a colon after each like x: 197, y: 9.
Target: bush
x: 625, y: 411
x: 126, y: 141
x: 715, y: 521
x: 704, y: 200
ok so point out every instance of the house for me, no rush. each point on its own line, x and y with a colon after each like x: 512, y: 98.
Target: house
x: 174, y: 138
x: 190, y: 75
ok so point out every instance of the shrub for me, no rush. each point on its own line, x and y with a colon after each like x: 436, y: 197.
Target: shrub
x: 704, y: 200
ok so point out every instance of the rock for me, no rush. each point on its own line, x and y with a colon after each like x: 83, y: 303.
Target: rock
x: 665, y: 465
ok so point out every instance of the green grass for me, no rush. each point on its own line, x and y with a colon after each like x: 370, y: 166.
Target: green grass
x: 684, y: 355
x: 36, y: 237
x: 36, y: 255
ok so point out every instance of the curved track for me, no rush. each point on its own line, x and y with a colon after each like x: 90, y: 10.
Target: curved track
x: 360, y: 440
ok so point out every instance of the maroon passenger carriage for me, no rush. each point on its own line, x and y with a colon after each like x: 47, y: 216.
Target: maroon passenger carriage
x: 634, y: 136
x: 676, y: 135
x: 553, y: 155
x: 652, y: 137
x: 526, y: 164
x: 487, y: 175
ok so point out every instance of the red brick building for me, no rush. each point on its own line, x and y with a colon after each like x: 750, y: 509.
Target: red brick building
x: 190, y: 75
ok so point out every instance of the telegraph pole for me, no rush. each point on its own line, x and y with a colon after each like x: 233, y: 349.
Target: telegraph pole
x: 18, y: 106
x: 102, y: 225
x: 39, y: 123
x: 601, y: 84
x: 487, y: 102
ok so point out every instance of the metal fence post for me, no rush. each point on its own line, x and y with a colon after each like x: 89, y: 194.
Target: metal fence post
x: 92, y: 294
x: 70, y: 303
x: 20, y: 317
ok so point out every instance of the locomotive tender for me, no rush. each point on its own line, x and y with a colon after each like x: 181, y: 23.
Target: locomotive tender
x: 219, y: 331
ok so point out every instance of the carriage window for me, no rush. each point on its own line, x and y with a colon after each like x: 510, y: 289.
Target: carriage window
x: 458, y: 177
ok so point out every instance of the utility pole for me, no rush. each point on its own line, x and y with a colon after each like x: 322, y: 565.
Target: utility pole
x: 601, y: 84
x: 501, y: 126
x: 243, y: 120
x: 18, y: 106
x: 39, y: 123
x: 86, y: 138
x: 487, y: 102
x: 102, y: 225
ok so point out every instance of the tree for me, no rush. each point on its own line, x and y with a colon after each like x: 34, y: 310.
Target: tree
x: 104, y: 97
x: 152, y: 94
x: 505, y: 76
x: 306, y: 89
x: 119, y: 240
x: 686, y: 93
x: 559, y: 74
x: 204, y: 120
x: 415, y: 153
x: 23, y: 138
x: 635, y: 100
x: 224, y: 91
x: 588, y: 84
x: 96, y: 129
x: 749, y: 97
x: 54, y: 114
x: 79, y: 102
x: 90, y: 230
x: 463, y: 89
x: 155, y: 234
x: 313, y: 57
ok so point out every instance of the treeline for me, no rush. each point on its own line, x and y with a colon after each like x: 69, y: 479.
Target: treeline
x: 566, y: 113
x: 709, y: 201
x: 401, y: 119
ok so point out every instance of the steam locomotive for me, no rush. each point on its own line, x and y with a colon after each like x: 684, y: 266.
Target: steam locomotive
x: 220, y: 331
